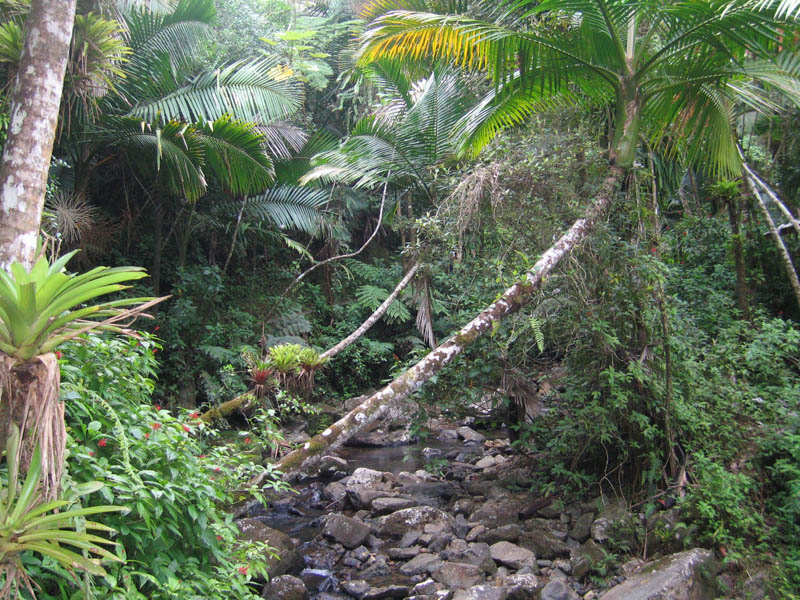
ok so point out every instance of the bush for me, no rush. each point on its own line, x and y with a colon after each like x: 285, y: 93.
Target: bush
x: 172, y: 473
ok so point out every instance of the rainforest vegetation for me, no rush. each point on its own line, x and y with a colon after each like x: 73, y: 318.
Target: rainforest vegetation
x: 596, y: 199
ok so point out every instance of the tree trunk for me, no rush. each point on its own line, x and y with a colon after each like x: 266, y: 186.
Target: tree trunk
x: 373, y: 318
x: 376, y: 406
x: 29, y: 400
x: 791, y: 273
x: 35, y: 103
x: 742, y: 293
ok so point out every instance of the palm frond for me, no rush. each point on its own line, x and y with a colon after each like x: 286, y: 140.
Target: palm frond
x: 244, y: 89
x: 282, y: 139
x: 289, y: 207
x: 234, y: 152
x: 290, y: 171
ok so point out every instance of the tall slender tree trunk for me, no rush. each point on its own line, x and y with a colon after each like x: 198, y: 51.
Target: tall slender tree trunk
x: 378, y: 405
x: 32, y: 127
x: 373, y: 318
x: 742, y: 292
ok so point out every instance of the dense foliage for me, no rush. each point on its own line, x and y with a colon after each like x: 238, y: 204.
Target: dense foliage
x: 230, y: 146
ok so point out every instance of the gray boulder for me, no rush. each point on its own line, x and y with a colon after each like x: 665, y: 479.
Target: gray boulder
x: 521, y: 586
x: 422, y: 563
x: 582, y: 527
x: 384, y: 506
x: 558, y: 590
x: 689, y: 575
x: 615, y: 523
x: 419, y: 518
x: 287, y: 559
x: 469, y: 435
x: 457, y: 576
x: 512, y: 556
x: 584, y: 559
x: 285, y: 587
x: 482, y: 592
x: 348, y: 532
x: 477, y: 554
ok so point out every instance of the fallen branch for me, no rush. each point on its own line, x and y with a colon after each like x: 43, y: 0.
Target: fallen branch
x: 377, y: 406
x: 225, y: 409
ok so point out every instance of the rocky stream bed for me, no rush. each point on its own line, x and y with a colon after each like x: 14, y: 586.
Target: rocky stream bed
x: 469, y: 532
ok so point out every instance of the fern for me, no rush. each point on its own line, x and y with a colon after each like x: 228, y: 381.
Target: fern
x: 367, y: 272
x: 371, y: 297
x: 292, y: 324
x: 536, y: 327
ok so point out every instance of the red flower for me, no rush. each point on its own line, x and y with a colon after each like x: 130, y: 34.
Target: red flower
x: 219, y: 538
x: 243, y: 570
x: 102, y: 443
x: 194, y: 415
x: 58, y: 355
x: 147, y: 436
x: 155, y: 350
x: 247, y: 440
x: 186, y: 428
x: 217, y: 469
x: 201, y: 456
x: 653, y: 250
x: 157, y: 406
x: 156, y: 426
x: 91, y: 453
x: 156, y: 328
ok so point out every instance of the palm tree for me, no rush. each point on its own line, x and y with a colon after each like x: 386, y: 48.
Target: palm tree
x: 668, y: 72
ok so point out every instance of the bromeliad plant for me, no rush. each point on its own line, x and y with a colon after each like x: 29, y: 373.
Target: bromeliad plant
x: 27, y: 524
x: 41, y: 308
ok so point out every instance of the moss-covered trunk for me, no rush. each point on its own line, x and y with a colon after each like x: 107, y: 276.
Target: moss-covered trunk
x: 377, y: 406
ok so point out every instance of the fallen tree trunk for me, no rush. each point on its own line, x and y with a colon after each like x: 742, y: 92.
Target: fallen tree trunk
x: 376, y: 406
x: 226, y: 408
x: 373, y: 318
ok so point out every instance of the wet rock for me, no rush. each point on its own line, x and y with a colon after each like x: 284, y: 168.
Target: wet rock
x: 616, y: 524
x: 392, y: 590
x: 521, y: 586
x: 463, y: 506
x: 348, y: 532
x: 317, y: 555
x: 506, y: 533
x: 422, y: 563
x: 356, y: 588
x: 383, y: 506
x: 334, y: 492
x: 584, y: 559
x: 475, y: 532
x: 361, y: 553
x: 364, y: 485
x: 332, y: 466
x: 457, y: 576
x: 469, y: 435
x: 418, y: 518
x: 288, y: 558
x: 409, y: 539
x: 406, y: 478
x: 285, y: 587
x: 403, y: 553
x: 582, y: 527
x: 319, y: 580
x: 481, y: 592
x: 477, y: 554
x: 439, y: 541
x: 431, y: 489
x: 689, y: 575
x: 512, y: 555
x: 558, y: 590
x: 376, y: 567
x: 447, y: 435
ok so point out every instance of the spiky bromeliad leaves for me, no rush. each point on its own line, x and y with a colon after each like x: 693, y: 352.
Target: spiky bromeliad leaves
x: 52, y: 529
x: 40, y: 309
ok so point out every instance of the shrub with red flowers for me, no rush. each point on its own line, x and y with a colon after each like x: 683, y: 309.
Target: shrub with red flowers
x: 178, y: 541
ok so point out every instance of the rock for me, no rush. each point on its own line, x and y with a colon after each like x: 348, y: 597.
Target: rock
x: 506, y: 533
x: 403, y: 553
x: 447, y: 435
x: 439, y: 541
x: 477, y: 554
x: 286, y: 560
x: 409, y: 539
x: 364, y: 485
x: 390, y: 590
x: 469, y: 435
x: 584, y: 559
x: 375, y: 568
x: 319, y: 580
x: 348, y: 532
x: 426, y: 588
x: 616, y: 524
x: 667, y: 533
x: 582, y: 527
x: 431, y: 489
x: 486, y: 462
x: 317, y: 555
x: 356, y: 587
x: 361, y: 554
x: 543, y: 544
x: 332, y: 465
x: 285, y: 587
x: 463, y: 506
x: 558, y: 590
x: 383, y: 506
x: 496, y: 513
x: 457, y: 576
x: 512, y: 555
x: 521, y: 587
x: 418, y: 518
x: 481, y: 592
x: 689, y: 575
x: 334, y: 492
x: 422, y: 563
